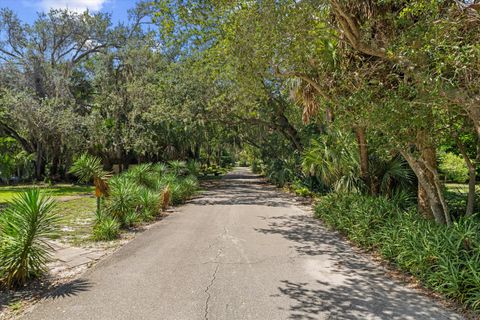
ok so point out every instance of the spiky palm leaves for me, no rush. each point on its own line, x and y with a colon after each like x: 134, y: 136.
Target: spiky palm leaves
x: 178, y: 167
x: 88, y: 168
x: 142, y: 175
x: 334, y: 160
x: 123, y: 199
x: 390, y: 175
x: 25, y: 226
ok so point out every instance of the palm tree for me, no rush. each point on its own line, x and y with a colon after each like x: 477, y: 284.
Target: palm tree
x: 87, y: 168
x: 332, y: 158
x: 25, y: 225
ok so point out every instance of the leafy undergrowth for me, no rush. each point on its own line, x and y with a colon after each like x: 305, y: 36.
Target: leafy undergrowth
x: 445, y: 259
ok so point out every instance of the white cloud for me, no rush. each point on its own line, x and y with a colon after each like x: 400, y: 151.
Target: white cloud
x: 74, y: 5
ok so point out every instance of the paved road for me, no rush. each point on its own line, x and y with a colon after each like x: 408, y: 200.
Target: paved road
x: 241, y: 251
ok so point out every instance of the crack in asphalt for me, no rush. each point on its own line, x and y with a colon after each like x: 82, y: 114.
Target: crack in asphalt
x: 214, y: 276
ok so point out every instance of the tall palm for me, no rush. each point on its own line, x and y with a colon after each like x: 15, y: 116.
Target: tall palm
x: 88, y: 168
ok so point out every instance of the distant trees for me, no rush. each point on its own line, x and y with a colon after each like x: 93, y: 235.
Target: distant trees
x: 40, y: 102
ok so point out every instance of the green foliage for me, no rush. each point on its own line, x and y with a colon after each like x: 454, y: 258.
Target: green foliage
x: 453, y: 167
x: 159, y: 169
x: 300, y: 189
x: 182, y: 189
x: 136, y: 195
x: 178, y: 167
x: 87, y: 167
x: 446, y: 259
x: 193, y: 167
x: 334, y: 160
x: 141, y: 175
x: 149, y: 204
x: 122, y: 200
x: 106, y: 228
x: 25, y: 227
x: 391, y: 175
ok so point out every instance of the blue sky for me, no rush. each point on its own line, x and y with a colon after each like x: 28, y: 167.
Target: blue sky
x: 27, y: 9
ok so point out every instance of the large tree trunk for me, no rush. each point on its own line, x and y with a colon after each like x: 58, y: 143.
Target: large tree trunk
x: 431, y: 188
x: 429, y: 155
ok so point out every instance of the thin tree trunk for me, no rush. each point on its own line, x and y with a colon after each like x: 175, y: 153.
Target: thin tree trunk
x: 363, y: 152
x: 472, y: 173
x: 39, y: 165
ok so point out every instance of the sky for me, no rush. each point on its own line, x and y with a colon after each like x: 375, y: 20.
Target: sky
x: 27, y: 9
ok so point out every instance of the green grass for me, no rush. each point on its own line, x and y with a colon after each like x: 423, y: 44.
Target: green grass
x: 77, y: 219
x: 59, y: 190
x: 460, y: 187
x: 77, y: 215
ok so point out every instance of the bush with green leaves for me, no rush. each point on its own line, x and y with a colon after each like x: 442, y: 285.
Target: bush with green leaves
x: 446, y: 259
x: 148, y: 204
x: 178, y: 167
x: 137, y: 195
x: 453, y: 167
x: 182, y: 188
x: 26, y: 225
x: 193, y: 168
x: 123, y: 199
x: 106, y: 228
x: 141, y: 175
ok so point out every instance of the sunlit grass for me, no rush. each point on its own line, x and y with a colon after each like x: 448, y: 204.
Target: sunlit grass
x: 460, y: 187
x: 8, y: 192
x: 77, y: 218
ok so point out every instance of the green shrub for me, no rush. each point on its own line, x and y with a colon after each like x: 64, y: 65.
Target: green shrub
x: 130, y: 219
x: 148, y: 204
x: 178, y: 167
x: 193, y: 168
x: 159, y: 169
x: 142, y: 175
x: 453, y: 167
x: 182, y: 189
x: 123, y: 198
x: 106, y: 228
x: 300, y: 189
x: 25, y: 226
x: 256, y: 168
x: 138, y: 194
x: 446, y: 259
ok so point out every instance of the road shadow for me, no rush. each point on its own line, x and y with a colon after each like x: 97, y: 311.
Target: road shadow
x: 69, y: 289
x: 349, y: 286
x: 241, y: 187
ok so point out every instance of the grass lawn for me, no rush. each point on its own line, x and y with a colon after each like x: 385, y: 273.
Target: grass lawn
x: 77, y: 214
x: 460, y: 187
x: 77, y: 218
x: 59, y: 190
